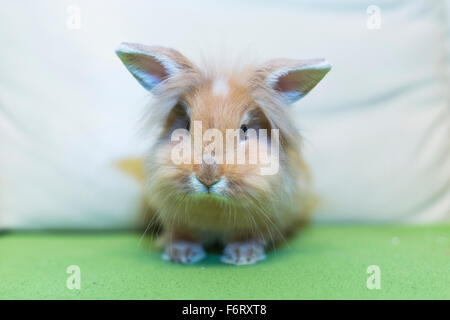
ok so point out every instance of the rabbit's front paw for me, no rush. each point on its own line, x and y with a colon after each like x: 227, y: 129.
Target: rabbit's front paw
x: 241, y: 253
x: 184, y: 252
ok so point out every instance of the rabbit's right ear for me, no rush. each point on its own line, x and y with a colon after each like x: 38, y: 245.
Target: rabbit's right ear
x: 151, y: 65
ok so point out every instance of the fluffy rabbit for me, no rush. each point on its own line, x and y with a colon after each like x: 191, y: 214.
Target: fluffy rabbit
x: 212, y: 200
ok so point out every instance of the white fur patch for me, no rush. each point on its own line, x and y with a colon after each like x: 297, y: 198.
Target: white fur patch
x: 196, y: 185
x: 184, y: 252
x: 219, y: 187
x: 220, y: 87
x: 242, y: 253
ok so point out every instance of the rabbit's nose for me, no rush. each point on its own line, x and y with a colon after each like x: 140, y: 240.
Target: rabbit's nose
x: 208, y: 174
x: 208, y: 183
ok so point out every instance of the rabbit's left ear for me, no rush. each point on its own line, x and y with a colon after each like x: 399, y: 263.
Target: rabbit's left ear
x: 152, y: 65
x: 293, y: 79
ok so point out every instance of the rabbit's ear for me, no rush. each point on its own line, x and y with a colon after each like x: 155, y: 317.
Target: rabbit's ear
x: 151, y: 65
x: 293, y: 79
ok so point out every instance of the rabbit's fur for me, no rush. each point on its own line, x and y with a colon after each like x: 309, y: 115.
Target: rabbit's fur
x: 231, y: 203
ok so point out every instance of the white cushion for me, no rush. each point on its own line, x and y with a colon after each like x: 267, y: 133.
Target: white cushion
x: 376, y: 128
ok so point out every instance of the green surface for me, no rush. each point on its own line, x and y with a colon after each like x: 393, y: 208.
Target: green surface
x: 324, y: 262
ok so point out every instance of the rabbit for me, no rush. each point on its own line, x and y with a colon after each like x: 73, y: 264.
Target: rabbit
x: 205, y: 202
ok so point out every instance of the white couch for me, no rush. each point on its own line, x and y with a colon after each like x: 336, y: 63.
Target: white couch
x: 377, y: 128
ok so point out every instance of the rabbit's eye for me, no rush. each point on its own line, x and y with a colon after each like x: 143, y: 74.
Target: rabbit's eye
x: 243, y: 132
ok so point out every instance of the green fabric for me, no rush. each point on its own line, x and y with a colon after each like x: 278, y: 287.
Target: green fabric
x: 324, y: 262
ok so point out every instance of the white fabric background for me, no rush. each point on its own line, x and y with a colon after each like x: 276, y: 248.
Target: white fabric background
x: 377, y: 128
